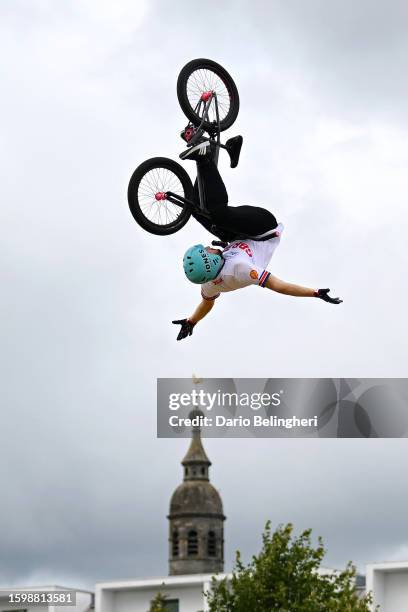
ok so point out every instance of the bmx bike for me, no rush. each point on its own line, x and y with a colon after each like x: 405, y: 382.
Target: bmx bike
x: 160, y: 192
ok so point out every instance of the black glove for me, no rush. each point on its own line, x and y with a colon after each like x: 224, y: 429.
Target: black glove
x: 323, y: 294
x: 186, y: 328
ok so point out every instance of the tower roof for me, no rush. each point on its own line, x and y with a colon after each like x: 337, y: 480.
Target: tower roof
x: 196, y: 454
x: 197, y: 499
x: 196, y: 495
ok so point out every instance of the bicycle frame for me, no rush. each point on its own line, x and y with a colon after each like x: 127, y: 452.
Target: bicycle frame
x: 215, y: 137
x: 200, y: 208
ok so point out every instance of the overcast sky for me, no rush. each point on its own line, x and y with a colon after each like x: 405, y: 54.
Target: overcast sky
x: 88, y: 92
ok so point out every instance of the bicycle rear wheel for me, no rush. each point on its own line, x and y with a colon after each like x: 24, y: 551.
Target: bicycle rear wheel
x: 199, y: 77
x: 147, y: 196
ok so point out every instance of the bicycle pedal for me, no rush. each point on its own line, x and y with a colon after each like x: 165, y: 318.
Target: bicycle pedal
x: 196, y: 138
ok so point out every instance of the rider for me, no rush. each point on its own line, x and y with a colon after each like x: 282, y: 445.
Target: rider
x: 243, y: 262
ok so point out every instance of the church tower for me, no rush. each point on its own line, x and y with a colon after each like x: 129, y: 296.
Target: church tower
x: 196, y: 529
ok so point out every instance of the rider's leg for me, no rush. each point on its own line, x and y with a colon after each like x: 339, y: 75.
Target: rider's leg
x: 216, y: 201
x: 216, y: 196
x: 249, y: 220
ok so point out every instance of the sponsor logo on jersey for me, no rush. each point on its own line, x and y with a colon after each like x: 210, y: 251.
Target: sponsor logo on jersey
x: 253, y: 274
x: 240, y: 245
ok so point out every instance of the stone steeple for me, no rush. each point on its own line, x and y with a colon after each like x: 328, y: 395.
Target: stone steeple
x: 196, y: 463
x: 196, y: 531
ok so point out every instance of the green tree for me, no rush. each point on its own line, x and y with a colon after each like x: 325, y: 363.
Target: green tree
x: 158, y: 604
x: 284, y: 577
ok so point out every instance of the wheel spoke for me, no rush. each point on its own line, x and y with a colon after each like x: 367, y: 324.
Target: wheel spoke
x: 205, y: 79
x: 147, y: 177
x: 160, y: 212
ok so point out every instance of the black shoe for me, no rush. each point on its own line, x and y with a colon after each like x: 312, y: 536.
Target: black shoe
x: 233, y: 146
x: 201, y: 151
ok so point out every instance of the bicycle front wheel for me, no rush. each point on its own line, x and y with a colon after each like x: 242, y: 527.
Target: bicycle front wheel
x: 147, y: 196
x: 201, y: 76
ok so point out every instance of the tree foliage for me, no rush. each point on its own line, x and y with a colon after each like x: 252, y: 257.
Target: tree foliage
x: 284, y: 576
x: 158, y: 604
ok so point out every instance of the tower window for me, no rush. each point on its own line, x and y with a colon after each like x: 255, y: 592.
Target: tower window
x: 202, y: 471
x: 192, y: 543
x: 175, y: 544
x: 212, y: 544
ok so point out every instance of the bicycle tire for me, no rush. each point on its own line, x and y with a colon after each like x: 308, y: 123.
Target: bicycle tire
x: 141, y: 195
x: 197, y: 87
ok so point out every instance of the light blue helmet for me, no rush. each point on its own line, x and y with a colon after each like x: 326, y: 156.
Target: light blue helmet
x: 200, y: 266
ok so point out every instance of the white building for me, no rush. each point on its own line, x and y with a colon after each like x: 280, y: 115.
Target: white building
x: 183, y: 594
x: 389, y: 584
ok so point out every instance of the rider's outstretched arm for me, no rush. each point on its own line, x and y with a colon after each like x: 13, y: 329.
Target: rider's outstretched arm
x: 280, y: 286
x: 201, y: 311
x: 187, y: 325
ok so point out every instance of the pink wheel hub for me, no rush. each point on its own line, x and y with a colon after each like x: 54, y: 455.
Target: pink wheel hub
x: 206, y: 96
x: 160, y: 195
